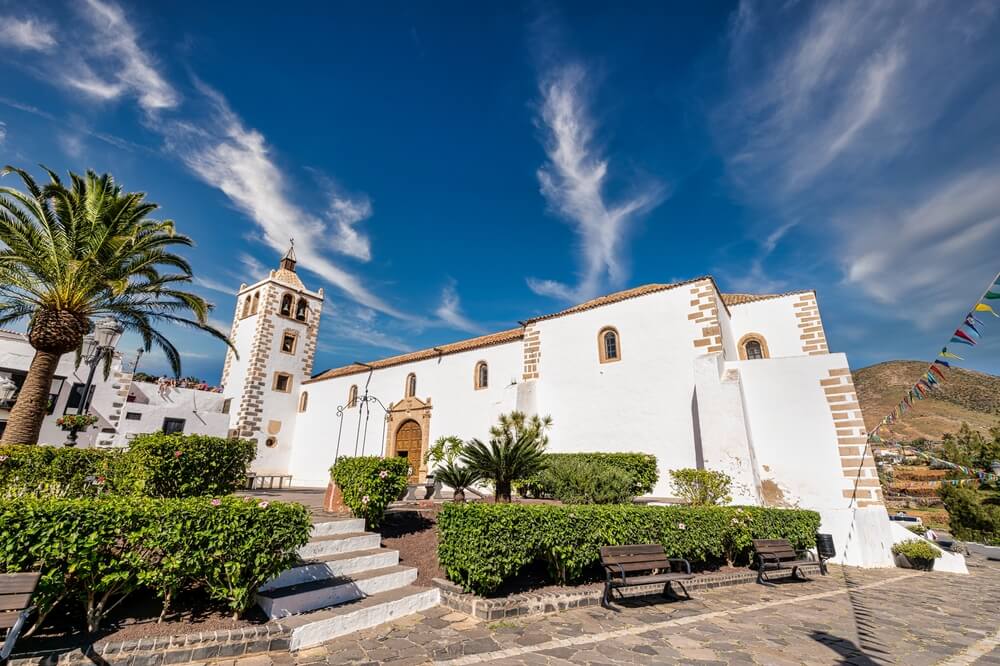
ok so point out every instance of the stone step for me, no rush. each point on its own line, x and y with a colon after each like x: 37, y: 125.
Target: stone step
x: 319, y: 626
x: 334, y: 566
x: 286, y: 601
x: 335, y: 544
x: 331, y: 527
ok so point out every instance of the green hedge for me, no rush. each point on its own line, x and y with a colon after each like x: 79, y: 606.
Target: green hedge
x: 482, y: 545
x: 640, y: 466
x: 95, y: 552
x: 369, y: 484
x: 155, y: 465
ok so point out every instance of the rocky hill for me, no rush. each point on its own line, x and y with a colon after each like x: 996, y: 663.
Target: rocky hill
x: 965, y: 395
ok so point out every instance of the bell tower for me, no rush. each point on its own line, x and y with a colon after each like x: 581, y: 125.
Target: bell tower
x: 274, y: 330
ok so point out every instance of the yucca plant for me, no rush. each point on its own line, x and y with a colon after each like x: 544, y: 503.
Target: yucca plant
x: 516, y: 451
x: 70, y: 254
x: 456, y: 477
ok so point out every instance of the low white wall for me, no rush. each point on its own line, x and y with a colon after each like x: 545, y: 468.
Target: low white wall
x: 948, y: 562
x: 862, y: 537
x: 201, y: 411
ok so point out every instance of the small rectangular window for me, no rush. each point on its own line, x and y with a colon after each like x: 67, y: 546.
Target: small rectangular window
x: 75, y: 393
x: 282, y: 382
x: 288, y: 341
x: 133, y: 416
x: 227, y: 405
x: 172, y: 426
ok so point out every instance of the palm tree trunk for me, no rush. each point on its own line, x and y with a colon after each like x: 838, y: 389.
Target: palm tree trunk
x: 33, y: 400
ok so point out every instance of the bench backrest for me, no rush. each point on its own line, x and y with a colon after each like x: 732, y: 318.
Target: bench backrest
x: 639, y: 557
x: 779, y: 548
x: 15, y: 595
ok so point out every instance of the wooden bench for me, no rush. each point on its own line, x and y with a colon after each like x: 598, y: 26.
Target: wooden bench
x: 646, y: 564
x: 780, y: 555
x: 15, y: 606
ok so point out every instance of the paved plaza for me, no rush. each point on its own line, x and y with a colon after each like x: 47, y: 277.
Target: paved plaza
x: 852, y: 616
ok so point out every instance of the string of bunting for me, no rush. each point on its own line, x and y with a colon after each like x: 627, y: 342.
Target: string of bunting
x: 968, y: 333
x: 968, y: 471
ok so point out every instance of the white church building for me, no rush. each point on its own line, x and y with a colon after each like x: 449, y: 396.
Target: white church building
x: 742, y: 383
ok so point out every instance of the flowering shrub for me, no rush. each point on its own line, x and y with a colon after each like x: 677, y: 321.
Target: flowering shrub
x: 76, y: 421
x: 482, y: 545
x: 95, y: 552
x: 369, y: 484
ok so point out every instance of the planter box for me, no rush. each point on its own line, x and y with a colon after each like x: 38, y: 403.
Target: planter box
x: 904, y: 562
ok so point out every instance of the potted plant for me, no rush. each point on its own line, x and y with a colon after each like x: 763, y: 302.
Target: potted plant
x: 457, y: 477
x: 74, y: 423
x: 916, y: 554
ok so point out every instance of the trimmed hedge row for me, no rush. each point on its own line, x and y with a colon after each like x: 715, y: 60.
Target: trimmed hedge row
x: 640, y: 466
x: 95, y: 552
x: 483, y: 545
x: 155, y: 465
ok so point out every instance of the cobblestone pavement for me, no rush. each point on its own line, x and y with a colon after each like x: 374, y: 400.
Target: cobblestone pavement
x: 852, y: 616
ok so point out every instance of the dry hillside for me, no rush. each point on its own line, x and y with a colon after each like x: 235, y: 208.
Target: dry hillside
x: 965, y: 395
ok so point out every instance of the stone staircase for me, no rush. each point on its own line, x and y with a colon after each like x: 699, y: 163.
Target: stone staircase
x: 345, y: 582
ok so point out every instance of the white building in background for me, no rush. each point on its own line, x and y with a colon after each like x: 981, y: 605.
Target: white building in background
x: 122, y: 406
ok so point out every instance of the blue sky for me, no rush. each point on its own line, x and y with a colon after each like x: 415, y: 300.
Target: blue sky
x: 447, y: 169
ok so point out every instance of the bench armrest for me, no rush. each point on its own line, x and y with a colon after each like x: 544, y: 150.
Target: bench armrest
x: 610, y: 568
x: 687, y: 565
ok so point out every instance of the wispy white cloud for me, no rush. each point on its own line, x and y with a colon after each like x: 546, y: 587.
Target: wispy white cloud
x: 254, y: 270
x: 357, y: 329
x: 30, y: 34
x: 450, y: 311
x: 873, y: 124
x: 223, y: 288
x: 3, y: 132
x: 113, y: 63
x: 573, y: 182
x: 71, y: 144
x: 237, y: 160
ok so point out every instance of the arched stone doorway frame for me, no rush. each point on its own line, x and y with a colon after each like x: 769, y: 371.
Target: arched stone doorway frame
x: 410, y: 409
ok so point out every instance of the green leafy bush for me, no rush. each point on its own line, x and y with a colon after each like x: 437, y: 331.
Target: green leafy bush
x: 919, y: 552
x: 917, y: 529
x: 96, y: 552
x: 159, y: 465
x: 701, y: 487
x: 482, y: 545
x: 641, y: 467
x: 155, y: 465
x: 369, y: 484
x: 28, y: 470
x: 576, y: 481
x: 968, y: 517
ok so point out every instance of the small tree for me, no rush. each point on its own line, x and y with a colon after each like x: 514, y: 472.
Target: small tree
x: 457, y: 477
x: 446, y: 449
x: 516, y: 451
x: 701, y: 487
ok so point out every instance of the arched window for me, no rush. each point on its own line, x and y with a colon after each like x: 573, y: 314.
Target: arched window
x: 482, y: 377
x: 411, y: 385
x: 352, y: 396
x: 609, y: 345
x: 300, y: 309
x: 753, y: 346
x: 246, y: 306
x: 256, y: 303
x: 286, y: 305
x: 304, y: 401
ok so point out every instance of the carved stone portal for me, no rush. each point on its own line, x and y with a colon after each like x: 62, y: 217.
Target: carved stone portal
x: 408, y: 433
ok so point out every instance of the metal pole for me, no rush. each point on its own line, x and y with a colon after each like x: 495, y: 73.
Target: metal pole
x: 90, y: 380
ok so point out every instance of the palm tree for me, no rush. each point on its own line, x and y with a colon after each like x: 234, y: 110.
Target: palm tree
x: 458, y: 478
x: 516, y: 451
x: 69, y: 255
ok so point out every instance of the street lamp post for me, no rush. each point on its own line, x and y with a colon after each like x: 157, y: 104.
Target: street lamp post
x: 101, y: 342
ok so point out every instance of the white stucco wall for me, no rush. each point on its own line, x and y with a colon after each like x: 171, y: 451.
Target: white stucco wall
x: 457, y: 407
x: 641, y: 403
x: 775, y: 319
x: 201, y: 411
